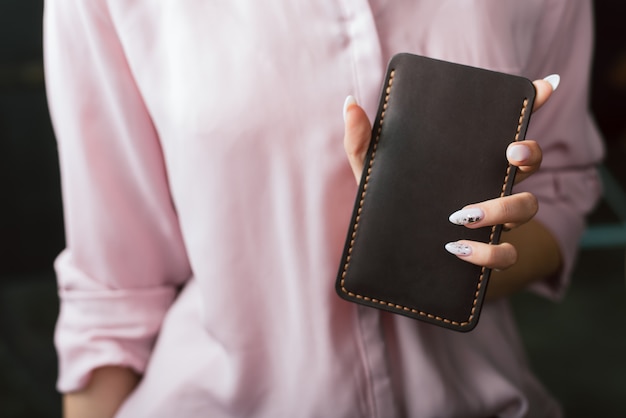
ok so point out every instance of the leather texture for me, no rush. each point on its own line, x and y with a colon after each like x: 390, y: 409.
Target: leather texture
x: 438, y: 143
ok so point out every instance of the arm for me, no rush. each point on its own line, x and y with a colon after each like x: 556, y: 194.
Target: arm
x: 538, y: 255
x: 514, y: 211
x: 106, y: 391
x: 567, y: 186
x: 125, y: 258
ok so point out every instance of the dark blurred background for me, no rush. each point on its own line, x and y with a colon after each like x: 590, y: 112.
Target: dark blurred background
x: 578, y: 347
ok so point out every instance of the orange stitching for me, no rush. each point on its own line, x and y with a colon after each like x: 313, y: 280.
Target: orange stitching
x: 356, y: 224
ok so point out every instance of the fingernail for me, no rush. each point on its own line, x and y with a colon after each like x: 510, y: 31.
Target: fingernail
x: 554, y: 80
x: 518, y: 152
x: 467, y: 216
x: 458, y: 248
x: 350, y: 100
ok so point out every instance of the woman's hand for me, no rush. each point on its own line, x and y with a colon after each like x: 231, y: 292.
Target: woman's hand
x: 515, y: 212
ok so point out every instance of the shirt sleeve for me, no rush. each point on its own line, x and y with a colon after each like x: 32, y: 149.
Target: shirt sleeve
x: 568, y: 185
x: 125, y: 258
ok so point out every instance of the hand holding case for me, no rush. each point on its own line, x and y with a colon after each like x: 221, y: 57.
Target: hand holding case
x: 438, y: 143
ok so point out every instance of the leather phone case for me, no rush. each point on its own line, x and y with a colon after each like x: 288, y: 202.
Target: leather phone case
x: 438, y: 143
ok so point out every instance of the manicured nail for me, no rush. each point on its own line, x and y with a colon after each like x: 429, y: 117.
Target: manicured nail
x: 518, y: 152
x: 554, y: 80
x: 467, y: 216
x: 350, y: 100
x: 458, y: 248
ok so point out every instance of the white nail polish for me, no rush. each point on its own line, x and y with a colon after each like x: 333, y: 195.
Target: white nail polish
x: 458, y: 248
x: 467, y: 216
x: 554, y: 80
x: 518, y: 152
x: 350, y: 100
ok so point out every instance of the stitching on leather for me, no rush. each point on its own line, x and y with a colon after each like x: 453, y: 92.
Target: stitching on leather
x: 357, y: 218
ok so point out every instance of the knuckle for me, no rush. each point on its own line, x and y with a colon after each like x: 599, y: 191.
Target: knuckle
x: 501, y: 256
x: 512, y: 255
x: 531, y: 203
x: 508, y: 255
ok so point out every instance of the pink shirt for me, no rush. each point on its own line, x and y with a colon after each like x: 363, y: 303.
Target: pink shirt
x: 201, y: 148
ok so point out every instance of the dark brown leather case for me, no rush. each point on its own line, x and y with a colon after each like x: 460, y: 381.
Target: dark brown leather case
x: 438, y: 143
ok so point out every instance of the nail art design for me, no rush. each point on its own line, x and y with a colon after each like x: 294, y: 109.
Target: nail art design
x: 458, y: 248
x: 467, y: 216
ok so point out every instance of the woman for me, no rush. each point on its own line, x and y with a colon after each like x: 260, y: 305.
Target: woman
x: 207, y: 197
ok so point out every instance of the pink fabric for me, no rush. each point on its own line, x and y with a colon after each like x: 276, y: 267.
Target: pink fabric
x: 201, y: 148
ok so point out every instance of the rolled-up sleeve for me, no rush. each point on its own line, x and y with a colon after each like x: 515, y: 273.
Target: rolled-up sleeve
x: 565, y: 198
x: 568, y: 185
x: 125, y: 257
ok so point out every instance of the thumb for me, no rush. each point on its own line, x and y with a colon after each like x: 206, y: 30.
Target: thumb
x: 356, y: 135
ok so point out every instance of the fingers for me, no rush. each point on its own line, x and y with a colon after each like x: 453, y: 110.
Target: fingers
x: 357, y: 135
x: 499, y: 257
x: 527, y: 156
x: 511, y: 211
x: 544, y: 88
